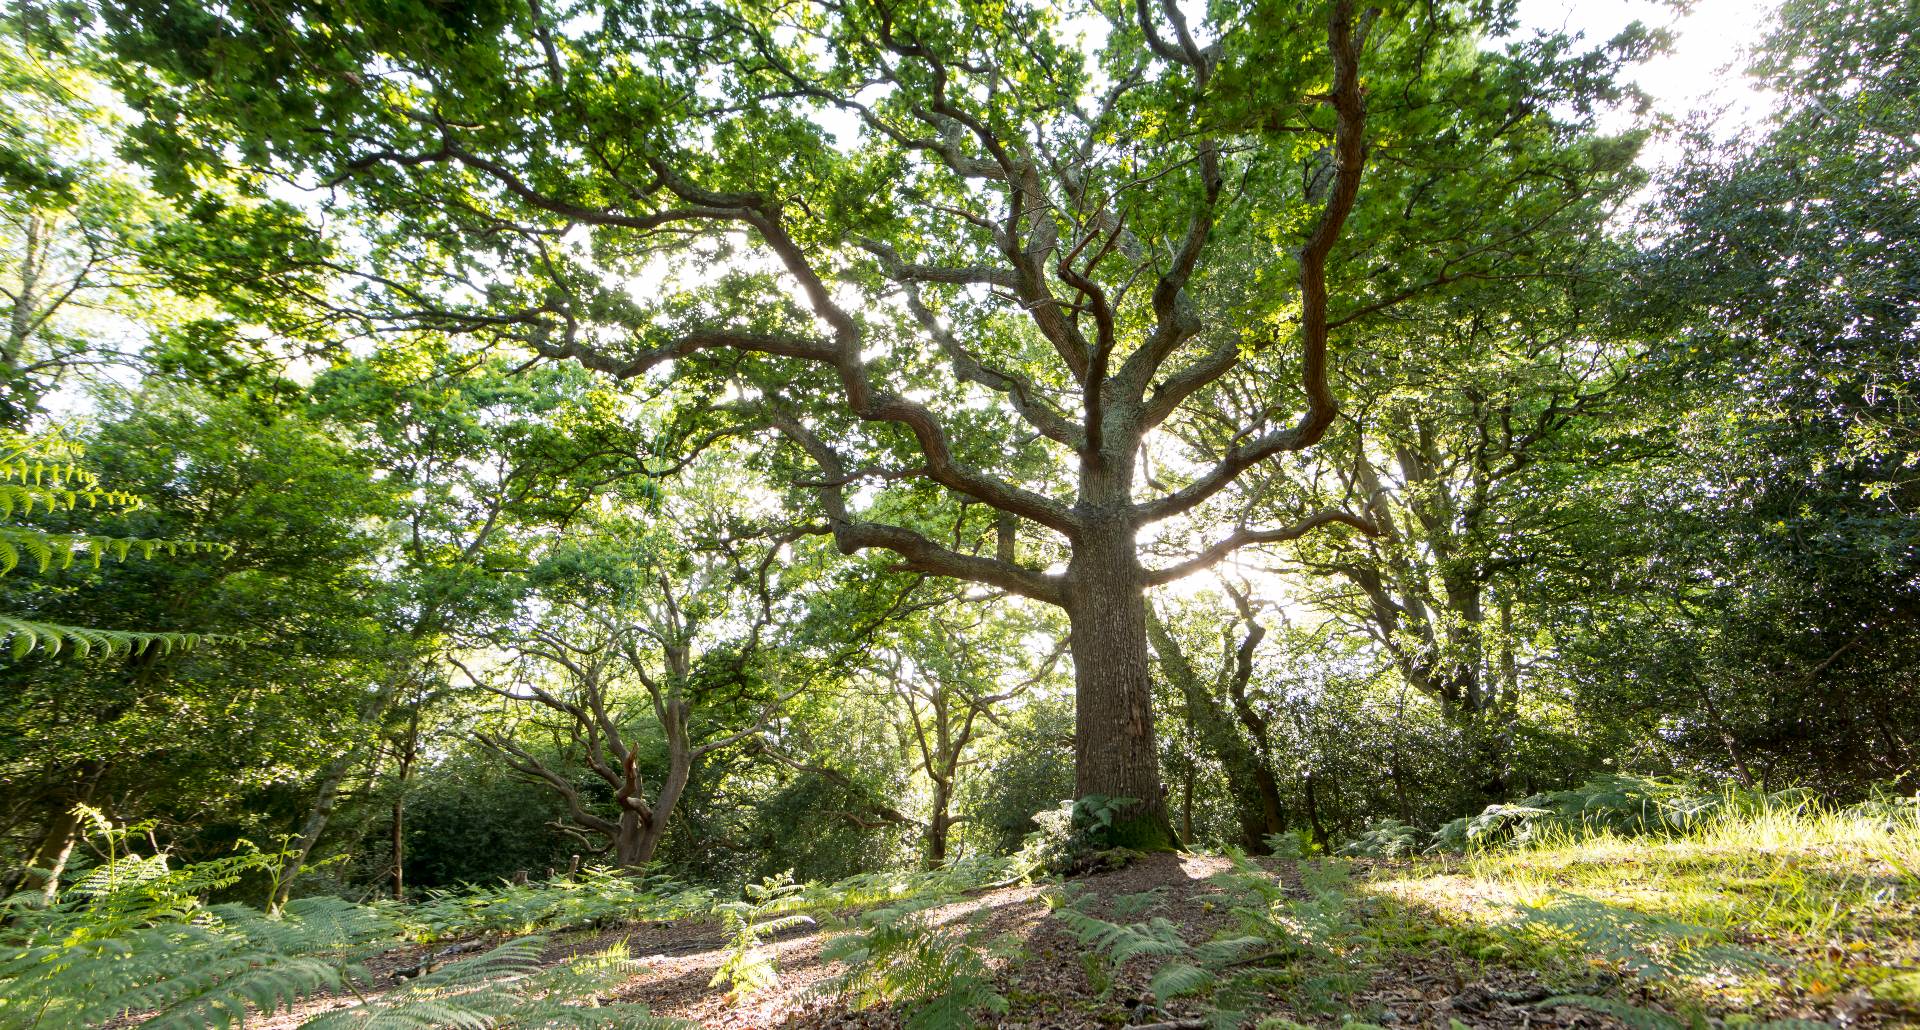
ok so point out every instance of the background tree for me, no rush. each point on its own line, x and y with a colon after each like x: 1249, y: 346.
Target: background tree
x: 286, y: 588
x: 1760, y: 571
x: 486, y: 463
x: 953, y: 674
x: 629, y: 615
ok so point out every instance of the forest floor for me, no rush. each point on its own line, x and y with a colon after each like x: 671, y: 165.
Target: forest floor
x: 1341, y: 943
x: 1056, y: 981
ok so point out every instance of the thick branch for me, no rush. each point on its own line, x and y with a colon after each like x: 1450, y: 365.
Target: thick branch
x: 1243, y: 537
x: 525, y: 764
x: 1349, y: 157
x: 920, y: 554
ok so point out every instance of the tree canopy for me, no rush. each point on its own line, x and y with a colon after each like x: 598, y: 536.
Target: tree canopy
x: 739, y: 442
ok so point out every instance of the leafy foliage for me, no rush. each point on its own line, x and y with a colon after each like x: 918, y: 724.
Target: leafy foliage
x: 934, y: 973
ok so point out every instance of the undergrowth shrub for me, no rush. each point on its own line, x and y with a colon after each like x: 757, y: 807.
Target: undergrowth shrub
x: 1615, y: 804
x: 1611, y: 803
x: 1077, y: 837
x: 936, y: 975
x: 1386, y: 838
x: 136, y: 938
x: 594, y: 897
x: 747, y: 967
x: 1183, y: 969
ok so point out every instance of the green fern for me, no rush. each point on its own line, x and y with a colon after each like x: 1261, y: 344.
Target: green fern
x: 210, y: 972
x: 135, y: 940
x: 594, y: 897
x: 25, y: 498
x: 1124, y: 942
x: 1126, y: 906
x: 1179, y: 979
x: 42, y: 474
x: 1648, y: 943
x: 21, y: 636
x: 505, y: 987
x: 937, y: 976
x: 747, y: 967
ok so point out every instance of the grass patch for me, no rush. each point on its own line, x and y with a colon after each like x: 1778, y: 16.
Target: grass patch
x: 1766, y: 910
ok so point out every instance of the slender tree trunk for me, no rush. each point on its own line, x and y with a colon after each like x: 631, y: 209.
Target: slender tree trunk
x: 408, y: 752
x: 399, y: 849
x: 327, y: 794
x: 1186, y: 808
x: 1727, y: 739
x: 48, y: 861
x: 1114, y: 752
x: 938, y: 825
x: 1251, y: 787
x: 26, y: 298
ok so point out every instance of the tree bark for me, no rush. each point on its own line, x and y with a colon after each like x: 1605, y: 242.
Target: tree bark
x: 48, y: 861
x: 939, y: 822
x: 1114, y: 752
x: 680, y: 760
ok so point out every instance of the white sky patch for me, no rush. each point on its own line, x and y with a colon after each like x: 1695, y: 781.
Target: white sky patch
x: 1703, y: 71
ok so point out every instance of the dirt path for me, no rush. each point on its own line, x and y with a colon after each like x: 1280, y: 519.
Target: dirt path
x: 1047, y: 988
x: 1048, y: 982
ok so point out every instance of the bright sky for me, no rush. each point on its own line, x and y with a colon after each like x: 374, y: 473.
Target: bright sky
x: 1702, y: 71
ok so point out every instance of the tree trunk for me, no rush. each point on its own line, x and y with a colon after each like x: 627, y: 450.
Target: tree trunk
x: 1186, y: 808
x: 629, y: 838
x: 324, y: 800
x: 1114, y: 752
x: 1320, y: 835
x: 1251, y: 786
x: 372, y: 710
x: 48, y: 861
x: 409, y: 751
x: 679, y: 771
x: 938, y: 825
x: 1727, y: 739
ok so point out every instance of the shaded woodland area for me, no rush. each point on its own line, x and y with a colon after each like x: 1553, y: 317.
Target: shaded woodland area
x: 1079, y: 514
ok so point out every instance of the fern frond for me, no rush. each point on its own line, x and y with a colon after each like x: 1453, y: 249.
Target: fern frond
x: 22, y: 637
x: 506, y: 987
x: 935, y: 975
x: 1180, y: 979
x: 27, y: 499
x: 1229, y: 949
x: 47, y: 551
x: 1123, y: 942
x: 1649, y: 943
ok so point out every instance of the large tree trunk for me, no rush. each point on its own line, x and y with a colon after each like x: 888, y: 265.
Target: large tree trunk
x: 939, y: 823
x: 1114, y: 752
